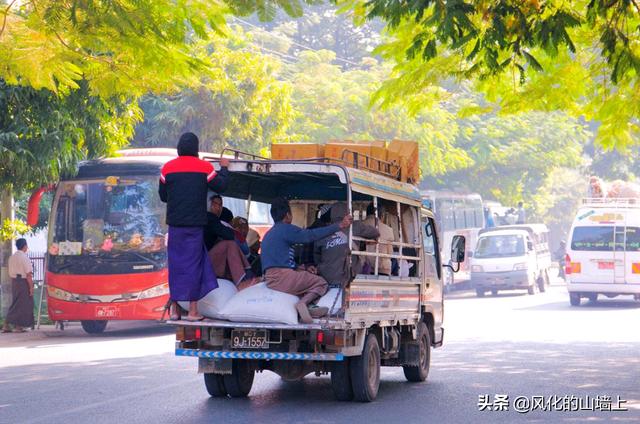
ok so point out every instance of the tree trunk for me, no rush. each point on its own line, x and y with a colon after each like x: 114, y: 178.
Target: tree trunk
x: 6, y: 212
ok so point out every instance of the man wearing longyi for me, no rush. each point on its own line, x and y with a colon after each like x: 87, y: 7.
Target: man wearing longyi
x: 184, y: 184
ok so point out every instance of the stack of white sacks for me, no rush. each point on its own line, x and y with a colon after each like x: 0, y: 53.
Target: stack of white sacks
x: 254, y: 304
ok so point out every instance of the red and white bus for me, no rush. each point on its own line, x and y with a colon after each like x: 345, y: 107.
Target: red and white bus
x: 107, y: 257
x: 456, y: 214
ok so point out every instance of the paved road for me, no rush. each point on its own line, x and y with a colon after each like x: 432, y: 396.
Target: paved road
x: 512, y: 344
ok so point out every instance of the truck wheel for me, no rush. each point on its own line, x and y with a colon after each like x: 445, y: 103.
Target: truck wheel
x: 94, y: 327
x: 494, y: 292
x: 420, y: 372
x: 593, y: 297
x: 239, y: 383
x: 479, y: 292
x: 574, y: 299
x: 365, y: 371
x: 215, y: 385
x: 541, y: 285
x: 341, y: 380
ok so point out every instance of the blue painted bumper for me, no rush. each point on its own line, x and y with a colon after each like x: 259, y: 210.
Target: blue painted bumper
x: 281, y: 356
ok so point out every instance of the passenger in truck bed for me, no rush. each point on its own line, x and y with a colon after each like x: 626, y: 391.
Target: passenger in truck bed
x: 226, y: 256
x: 278, y: 263
x: 331, y: 253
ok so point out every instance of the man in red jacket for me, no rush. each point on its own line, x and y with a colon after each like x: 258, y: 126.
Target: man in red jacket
x: 184, y: 183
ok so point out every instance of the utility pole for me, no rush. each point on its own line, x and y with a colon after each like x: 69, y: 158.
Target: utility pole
x: 6, y: 212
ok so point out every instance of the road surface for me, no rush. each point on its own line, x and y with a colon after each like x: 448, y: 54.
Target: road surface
x: 513, y: 346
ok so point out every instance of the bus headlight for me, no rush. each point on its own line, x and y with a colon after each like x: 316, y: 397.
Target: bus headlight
x: 155, y: 291
x: 60, y: 294
x: 520, y: 267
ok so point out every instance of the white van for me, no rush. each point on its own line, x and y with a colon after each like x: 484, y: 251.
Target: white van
x: 603, y: 252
x: 512, y: 257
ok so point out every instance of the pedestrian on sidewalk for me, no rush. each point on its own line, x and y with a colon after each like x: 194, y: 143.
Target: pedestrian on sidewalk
x: 20, y: 314
x: 184, y: 184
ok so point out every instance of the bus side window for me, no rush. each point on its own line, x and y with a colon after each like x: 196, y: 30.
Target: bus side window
x: 431, y: 249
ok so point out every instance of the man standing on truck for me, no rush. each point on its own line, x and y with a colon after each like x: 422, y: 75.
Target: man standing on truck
x: 278, y: 263
x: 184, y: 183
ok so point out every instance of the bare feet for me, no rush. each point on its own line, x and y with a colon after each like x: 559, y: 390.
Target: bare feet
x: 174, y: 311
x: 303, y: 311
x: 318, y: 311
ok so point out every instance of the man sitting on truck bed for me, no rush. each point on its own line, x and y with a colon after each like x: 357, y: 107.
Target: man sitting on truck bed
x: 331, y: 252
x: 278, y: 264
x: 226, y: 257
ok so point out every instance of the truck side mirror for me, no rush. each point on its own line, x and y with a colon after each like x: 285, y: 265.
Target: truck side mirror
x: 458, y: 249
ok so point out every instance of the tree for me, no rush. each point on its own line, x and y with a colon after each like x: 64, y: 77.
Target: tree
x: 580, y: 57
x: 332, y: 103
x: 244, y: 106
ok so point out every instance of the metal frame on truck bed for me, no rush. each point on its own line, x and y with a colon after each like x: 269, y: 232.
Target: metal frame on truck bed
x: 383, y: 320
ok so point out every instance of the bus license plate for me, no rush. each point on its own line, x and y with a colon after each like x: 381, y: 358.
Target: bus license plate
x: 249, y: 339
x: 107, y: 312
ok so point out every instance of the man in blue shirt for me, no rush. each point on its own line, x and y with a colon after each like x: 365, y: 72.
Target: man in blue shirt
x: 278, y: 263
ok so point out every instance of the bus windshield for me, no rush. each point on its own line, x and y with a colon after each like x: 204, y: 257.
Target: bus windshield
x: 502, y: 246
x: 112, y: 225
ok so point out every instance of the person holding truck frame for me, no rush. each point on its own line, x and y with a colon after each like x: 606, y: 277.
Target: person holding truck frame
x: 280, y: 269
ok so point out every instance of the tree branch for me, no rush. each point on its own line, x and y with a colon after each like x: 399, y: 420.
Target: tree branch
x: 6, y: 13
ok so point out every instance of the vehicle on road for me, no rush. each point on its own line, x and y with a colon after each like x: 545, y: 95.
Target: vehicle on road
x: 383, y: 320
x: 603, y: 250
x: 456, y: 214
x: 107, y: 257
x: 513, y: 257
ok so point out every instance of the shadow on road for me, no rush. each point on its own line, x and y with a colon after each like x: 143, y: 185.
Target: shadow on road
x: 162, y: 388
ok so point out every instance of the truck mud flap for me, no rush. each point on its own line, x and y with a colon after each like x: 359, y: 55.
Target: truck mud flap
x: 273, y: 356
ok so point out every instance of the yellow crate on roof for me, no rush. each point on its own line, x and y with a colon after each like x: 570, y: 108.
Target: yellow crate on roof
x: 283, y: 151
x: 406, y: 154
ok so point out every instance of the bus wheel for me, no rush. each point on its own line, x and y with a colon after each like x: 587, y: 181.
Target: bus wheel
x: 341, y: 380
x: 574, y: 299
x: 215, y: 385
x: 420, y: 372
x: 479, y: 292
x: 94, y: 327
x: 239, y: 383
x: 365, y: 371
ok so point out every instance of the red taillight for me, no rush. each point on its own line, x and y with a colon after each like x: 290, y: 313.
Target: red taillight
x: 572, y: 267
x: 320, y: 337
x: 198, y: 334
x: 567, y: 264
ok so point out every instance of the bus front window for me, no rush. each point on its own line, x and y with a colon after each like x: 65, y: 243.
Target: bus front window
x: 112, y: 225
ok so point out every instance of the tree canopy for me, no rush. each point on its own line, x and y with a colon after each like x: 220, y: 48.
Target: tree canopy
x: 580, y: 57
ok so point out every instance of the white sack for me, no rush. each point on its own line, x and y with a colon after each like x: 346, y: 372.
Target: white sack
x: 261, y: 304
x: 211, y: 305
x: 328, y: 299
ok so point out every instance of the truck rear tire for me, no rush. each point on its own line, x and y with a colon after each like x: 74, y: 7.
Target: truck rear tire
x: 365, y: 371
x: 341, y: 380
x: 574, y: 299
x: 593, y: 297
x: 239, y: 383
x: 94, y: 327
x: 479, y: 292
x: 419, y: 373
x: 215, y: 385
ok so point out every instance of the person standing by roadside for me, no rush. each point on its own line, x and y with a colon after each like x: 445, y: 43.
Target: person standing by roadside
x: 184, y: 184
x: 522, y: 216
x: 20, y: 314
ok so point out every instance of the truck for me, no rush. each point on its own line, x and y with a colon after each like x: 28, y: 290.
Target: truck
x: 383, y: 320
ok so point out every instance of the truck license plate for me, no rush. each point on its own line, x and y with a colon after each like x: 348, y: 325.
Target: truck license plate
x: 249, y: 339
